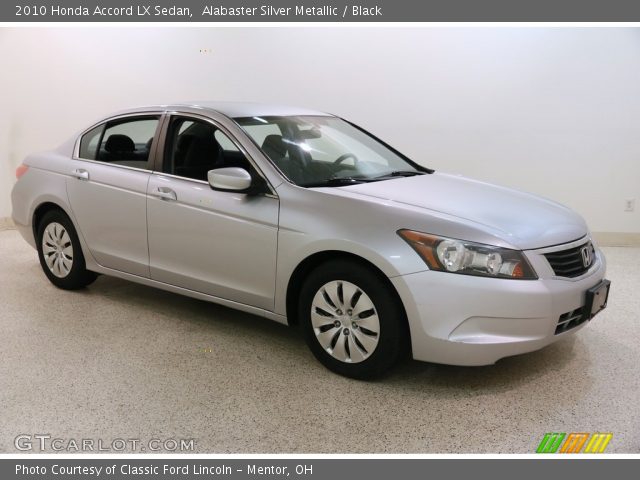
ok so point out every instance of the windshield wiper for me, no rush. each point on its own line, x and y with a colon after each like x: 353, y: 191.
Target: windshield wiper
x: 400, y: 173
x: 336, y: 182
x: 344, y: 181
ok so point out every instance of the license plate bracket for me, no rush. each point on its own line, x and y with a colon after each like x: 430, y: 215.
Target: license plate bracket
x: 597, y: 298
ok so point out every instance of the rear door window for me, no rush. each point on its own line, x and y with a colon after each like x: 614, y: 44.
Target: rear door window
x: 122, y: 142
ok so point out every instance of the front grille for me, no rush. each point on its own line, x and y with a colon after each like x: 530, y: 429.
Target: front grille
x: 571, y: 262
x: 570, y: 320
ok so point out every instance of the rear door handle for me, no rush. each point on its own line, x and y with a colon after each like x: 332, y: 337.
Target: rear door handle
x: 165, y: 193
x: 81, y: 174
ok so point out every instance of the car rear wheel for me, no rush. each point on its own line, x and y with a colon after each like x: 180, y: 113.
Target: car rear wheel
x: 60, y: 253
x: 352, y: 321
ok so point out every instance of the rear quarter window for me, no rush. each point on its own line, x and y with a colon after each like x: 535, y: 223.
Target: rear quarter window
x: 89, y: 143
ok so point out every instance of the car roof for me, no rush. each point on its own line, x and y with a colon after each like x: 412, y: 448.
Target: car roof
x: 233, y: 109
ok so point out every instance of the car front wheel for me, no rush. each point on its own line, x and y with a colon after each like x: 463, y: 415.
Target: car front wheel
x: 352, y: 321
x: 60, y: 253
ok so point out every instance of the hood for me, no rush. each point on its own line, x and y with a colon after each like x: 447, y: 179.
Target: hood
x: 521, y: 219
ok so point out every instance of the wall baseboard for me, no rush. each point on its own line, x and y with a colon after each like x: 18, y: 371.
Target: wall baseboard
x: 6, y: 223
x: 617, y: 239
x: 604, y: 239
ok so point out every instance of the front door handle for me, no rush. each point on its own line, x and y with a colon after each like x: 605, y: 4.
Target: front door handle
x: 165, y: 193
x: 81, y: 174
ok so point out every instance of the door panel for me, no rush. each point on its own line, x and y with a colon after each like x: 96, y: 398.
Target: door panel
x: 109, y: 204
x: 108, y: 190
x: 219, y: 243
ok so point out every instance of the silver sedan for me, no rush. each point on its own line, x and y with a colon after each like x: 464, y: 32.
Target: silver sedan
x: 307, y: 219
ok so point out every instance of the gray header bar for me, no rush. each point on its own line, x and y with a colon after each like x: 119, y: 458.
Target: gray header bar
x: 320, y: 11
x: 317, y: 469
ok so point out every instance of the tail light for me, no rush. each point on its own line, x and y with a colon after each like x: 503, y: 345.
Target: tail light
x: 21, y: 170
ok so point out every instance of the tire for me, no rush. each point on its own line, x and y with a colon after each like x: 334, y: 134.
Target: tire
x: 60, y: 253
x: 352, y: 320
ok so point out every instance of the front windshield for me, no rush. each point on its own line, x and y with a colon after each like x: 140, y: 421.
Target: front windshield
x: 325, y: 151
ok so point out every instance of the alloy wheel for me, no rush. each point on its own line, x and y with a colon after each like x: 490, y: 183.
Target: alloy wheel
x: 57, y: 249
x: 345, y: 321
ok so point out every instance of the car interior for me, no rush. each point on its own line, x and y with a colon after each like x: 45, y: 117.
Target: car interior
x: 196, y: 147
x: 287, y: 151
x: 120, y: 149
x: 297, y: 163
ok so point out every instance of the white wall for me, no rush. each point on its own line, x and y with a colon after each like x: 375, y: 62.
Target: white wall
x: 553, y: 111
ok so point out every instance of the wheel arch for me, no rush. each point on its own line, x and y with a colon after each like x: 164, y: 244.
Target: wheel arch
x: 49, y: 204
x: 306, y: 266
x: 41, y: 210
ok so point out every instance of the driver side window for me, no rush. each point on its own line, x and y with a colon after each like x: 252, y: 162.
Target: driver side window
x: 195, y: 146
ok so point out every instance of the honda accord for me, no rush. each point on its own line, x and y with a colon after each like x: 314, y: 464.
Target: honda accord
x: 307, y: 219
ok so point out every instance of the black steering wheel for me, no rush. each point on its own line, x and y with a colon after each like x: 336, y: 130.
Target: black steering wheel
x: 343, y: 157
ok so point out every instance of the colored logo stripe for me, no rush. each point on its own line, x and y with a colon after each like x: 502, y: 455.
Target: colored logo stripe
x: 550, y: 442
x: 574, y: 443
x: 598, y: 442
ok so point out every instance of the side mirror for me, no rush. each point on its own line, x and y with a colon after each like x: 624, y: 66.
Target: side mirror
x: 230, y: 179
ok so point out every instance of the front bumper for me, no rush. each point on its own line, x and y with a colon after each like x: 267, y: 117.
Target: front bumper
x: 466, y: 320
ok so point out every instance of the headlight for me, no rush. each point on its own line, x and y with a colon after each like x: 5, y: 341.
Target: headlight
x: 468, y: 258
